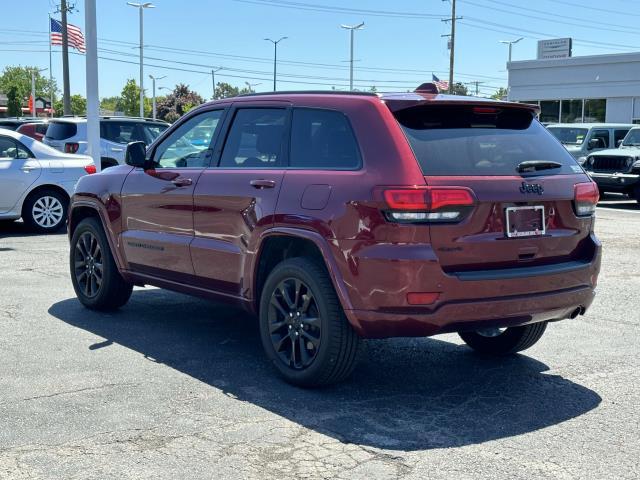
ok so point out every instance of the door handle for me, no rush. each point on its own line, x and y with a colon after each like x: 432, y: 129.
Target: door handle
x: 262, y: 183
x: 27, y: 168
x: 117, y: 149
x: 182, y: 182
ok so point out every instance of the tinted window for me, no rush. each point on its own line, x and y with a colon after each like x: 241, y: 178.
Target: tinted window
x: 460, y: 141
x: 179, y: 151
x: 550, y: 111
x: 124, y: 132
x: 41, y: 128
x: 255, y: 139
x: 9, y: 125
x: 61, y: 130
x: 571, y: 111
x: 600, y: 139
x: 322, y: 139
x: 618, y: 135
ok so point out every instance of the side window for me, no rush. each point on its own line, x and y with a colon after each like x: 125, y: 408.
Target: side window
x: 618, y: 136
x: 8, y: 148
x: 602, y: 137
x: 255, y: 139
x: 187, y: 146
x: 322, y: 139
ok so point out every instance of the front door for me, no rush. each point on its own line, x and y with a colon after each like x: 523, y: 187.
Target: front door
x: 236, y: 200
x: 157, y: 203
x: 18, y: 171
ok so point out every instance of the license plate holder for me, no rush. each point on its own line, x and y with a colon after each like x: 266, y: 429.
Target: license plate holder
x: 527, y: 221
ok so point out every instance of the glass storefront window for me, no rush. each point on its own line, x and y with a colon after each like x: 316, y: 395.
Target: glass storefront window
x: 595, y: 110
x: 550, y: 111
x: 571, y: 111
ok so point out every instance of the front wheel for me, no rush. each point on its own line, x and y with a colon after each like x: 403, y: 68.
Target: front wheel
x: 94, y: 274
x: 504, y: 341
x: 303, y: 328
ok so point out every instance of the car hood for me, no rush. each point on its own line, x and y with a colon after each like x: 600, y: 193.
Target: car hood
x: 618, y: 152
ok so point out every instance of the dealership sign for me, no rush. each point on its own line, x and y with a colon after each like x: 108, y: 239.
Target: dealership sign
x: 554, y: 48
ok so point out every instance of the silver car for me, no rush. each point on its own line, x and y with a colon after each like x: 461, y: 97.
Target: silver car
x: 581, y: 139
x: 37, y: 181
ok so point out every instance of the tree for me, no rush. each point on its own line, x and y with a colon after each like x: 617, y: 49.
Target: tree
x: 500, y: 94
x: 14, y: 102
x: 111, y: 104
x: 178, y: 102
x: 20, y: 78
x: 459, y: 89
x: 78, y: 105
x: 130, y: 98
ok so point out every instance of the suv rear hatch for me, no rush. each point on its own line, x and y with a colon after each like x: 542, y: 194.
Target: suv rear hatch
x: 58, y: 132
x: 522, y: 185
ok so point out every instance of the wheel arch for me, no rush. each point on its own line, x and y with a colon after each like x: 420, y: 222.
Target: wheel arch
x: 39, y: 188
x: 281, y: 243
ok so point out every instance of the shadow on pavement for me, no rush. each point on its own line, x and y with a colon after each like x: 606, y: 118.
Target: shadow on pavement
x: 406, y: 394
x: 618, y: 201
x: 10, y: 228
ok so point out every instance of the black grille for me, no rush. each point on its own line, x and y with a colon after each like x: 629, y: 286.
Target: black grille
x: 611, y: 163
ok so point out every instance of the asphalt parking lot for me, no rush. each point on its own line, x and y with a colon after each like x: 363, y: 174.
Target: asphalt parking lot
x: 176, y: 387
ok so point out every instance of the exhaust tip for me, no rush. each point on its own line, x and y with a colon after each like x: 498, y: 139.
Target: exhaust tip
x: 578, y: 311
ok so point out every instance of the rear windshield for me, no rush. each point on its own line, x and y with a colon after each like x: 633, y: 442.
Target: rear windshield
x: 126, y: 131
x: 467, y: 140
x: 61, y: 130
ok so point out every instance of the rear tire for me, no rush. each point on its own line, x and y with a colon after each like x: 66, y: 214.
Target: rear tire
x: 94, y: 274
x: 45, y: 210
x: 636, y: 193
x: 509, y: 341
x: 304, y: 331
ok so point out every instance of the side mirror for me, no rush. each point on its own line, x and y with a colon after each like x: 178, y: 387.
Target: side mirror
x: 618, y: 143
x: 136, y: 154
x: 594, y: 143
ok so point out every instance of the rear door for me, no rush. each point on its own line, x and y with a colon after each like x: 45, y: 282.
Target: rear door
x: 18, y: 171
x: 520, y: 217
x: 157, y: 203
x: 236, y: 200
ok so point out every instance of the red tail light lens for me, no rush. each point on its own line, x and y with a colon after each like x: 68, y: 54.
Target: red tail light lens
x: 71, y: 147
x: 422, y: 298
x: 586, y: 198
x: 428, y: 204
x: 90, y: 169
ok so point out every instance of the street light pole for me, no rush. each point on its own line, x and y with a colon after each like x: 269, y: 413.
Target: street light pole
x: 251, y: 85
x: 153, y: 81
x: 213, y: 80
x: 141, y: 7
x: 351, y: 28
x: 33, y: 89
x: 275, y: 57
x: 511, y: 43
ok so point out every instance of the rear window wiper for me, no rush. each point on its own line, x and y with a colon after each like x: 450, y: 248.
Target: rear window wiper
x: 534, y: 165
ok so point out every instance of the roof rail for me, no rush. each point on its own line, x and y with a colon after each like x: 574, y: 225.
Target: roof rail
x: 309, y: 92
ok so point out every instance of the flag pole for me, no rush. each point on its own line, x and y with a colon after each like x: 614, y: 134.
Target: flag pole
x: 50, y: 74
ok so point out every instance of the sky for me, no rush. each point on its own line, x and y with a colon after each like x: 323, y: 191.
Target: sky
x: 400, y: 46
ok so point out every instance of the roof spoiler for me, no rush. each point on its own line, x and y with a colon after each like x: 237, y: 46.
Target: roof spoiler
x: 428, y: 87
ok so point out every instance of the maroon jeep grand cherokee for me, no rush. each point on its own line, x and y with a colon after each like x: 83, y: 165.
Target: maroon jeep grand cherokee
x: 341, y: 216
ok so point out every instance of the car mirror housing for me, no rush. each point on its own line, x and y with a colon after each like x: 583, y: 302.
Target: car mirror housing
x: 136, y: 154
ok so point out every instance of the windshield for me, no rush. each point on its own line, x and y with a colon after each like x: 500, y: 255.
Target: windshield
x: 569, y: 135
x: 472, y: 141
x: 632, y: 139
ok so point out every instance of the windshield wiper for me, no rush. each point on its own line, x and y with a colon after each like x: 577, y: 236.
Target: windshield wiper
x: 534, y: 165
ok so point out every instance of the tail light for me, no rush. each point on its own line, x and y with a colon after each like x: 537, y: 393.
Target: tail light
x: 428, y: 204
x: 71, y: 147
x: 586, y: 198
x: 90, y: 169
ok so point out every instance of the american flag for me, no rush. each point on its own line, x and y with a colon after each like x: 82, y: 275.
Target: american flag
x: 74, y: 34
x: 441, y: 84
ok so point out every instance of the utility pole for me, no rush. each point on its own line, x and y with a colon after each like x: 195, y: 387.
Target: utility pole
x: 153, y: 80
x: 351, y: 28
x: 141, y: 7
x: 452, y: 42
x: 213, y: 80
x: 66, y: 89
x: 477, y: 84
x: 275, y: 57
x: 251, y: 85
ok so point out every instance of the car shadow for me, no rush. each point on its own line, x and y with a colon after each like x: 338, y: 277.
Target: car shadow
x: 618, y: 201
x: 17, y: 228
x: 406, y: 394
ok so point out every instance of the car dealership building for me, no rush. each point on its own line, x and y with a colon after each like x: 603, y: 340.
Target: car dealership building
x: 595, y: 88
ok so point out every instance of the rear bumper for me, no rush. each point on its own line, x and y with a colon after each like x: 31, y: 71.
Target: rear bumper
x: 377, y: 285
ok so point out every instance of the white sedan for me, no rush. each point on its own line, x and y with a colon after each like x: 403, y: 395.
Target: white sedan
x: 36, y: 181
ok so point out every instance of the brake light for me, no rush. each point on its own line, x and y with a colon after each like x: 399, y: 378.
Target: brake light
x: 586, y: 198
x: 428, y: 204
x: 485, y: 110
x: 90, y: 169
x: 71, y: 147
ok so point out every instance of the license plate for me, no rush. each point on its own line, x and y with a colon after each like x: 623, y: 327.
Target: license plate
x: 525, y: 221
